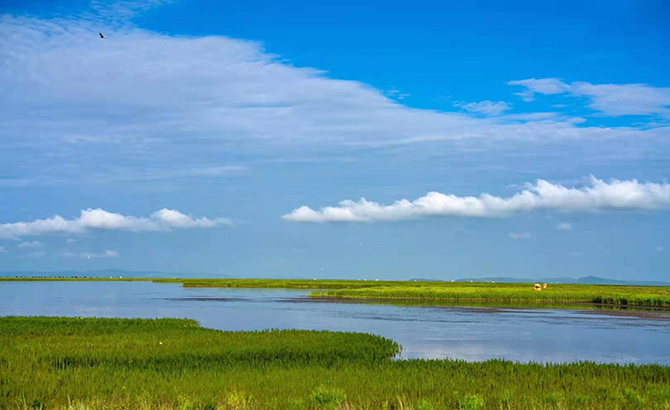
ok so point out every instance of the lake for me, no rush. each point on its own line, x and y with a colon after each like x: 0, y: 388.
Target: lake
x: 473, y: 334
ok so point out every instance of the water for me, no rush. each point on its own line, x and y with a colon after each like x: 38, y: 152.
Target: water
x: 541, y: 335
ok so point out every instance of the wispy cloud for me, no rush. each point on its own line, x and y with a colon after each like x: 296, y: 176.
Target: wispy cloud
x: 597, y: 195
x: 485, y: 107
x: 609, y: 99
x: 519, y: 235
x: 397, y: 94
x: 212, y: 94
x: 2, y: 249
x: 99, y: 219
x: 660, y: 249
x: 564, y: 226
x: 30, y: 245
x: 546, y: 86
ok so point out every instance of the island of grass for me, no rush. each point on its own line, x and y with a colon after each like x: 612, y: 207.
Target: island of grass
x: 76, y: 363
x: 510, y: 294
x: 452, y: 293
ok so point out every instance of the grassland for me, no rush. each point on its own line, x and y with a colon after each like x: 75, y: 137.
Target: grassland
x: 74, y: 363
x: 453, y: 293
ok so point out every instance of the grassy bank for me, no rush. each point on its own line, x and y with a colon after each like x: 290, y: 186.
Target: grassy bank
x: 511, y: 294
x: 76, y: 363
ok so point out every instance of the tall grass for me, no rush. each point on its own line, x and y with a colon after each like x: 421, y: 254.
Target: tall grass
x: 74, y: 363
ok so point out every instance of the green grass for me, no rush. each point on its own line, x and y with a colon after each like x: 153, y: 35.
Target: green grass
x: 75, y: 363
x: 511, y: 294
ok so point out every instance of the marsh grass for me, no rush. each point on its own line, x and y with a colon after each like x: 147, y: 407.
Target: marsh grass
x: 74, y: 363
x: 510, y: 294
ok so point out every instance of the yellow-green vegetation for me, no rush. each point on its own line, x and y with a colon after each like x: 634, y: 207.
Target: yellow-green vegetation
x: 511, y: 293
x: 74, y: 363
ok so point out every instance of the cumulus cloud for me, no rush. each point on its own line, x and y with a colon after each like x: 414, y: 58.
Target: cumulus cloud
x: 30, y: 245
x: 596, y: 195
x: 99, y: 219
x: 564, y: 226
x: 519, y: 235
x: 610, y: 99
x: 485, y: 107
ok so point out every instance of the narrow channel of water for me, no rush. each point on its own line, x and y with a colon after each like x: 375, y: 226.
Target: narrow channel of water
x: 541, y: 335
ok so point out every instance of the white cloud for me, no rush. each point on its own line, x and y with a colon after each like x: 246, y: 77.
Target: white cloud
x: 660, y: 249
x: 546, y: 86
x: 485, y: 107
x: 2, y: 249
x: 610, y: 99
x: 564, y: 226
x: 105, y: 254
x: 123, y: 10
x: 99, y: 219
x: 161, y: 99
x: 397, y: 94
x: 519, y: 235
x: 30, y: 245
x: 597, y: 195
x: 625, y: 99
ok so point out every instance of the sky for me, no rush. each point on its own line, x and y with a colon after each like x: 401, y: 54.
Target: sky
x: 384, y: 140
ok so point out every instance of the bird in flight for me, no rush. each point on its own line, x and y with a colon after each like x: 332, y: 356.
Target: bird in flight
x: 101, y: 36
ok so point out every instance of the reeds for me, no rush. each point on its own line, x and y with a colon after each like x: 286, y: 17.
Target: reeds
x: 74, y: 363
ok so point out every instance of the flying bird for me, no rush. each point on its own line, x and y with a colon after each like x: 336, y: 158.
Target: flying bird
x: 101, y: 36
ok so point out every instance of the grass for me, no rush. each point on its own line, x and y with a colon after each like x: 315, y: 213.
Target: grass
x: 74, y: 363
x: 511, y: 294
x: 454, y: 293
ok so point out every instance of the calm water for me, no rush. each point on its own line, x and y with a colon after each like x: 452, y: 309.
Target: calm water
x: 541, y: 335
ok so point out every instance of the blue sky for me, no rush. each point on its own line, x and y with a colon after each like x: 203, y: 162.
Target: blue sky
x: 526, y: 140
